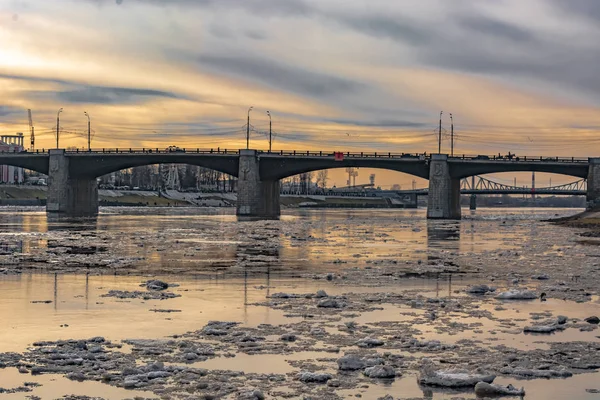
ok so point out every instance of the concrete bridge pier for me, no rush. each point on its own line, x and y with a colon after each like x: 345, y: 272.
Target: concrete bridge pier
x: 257, y: 199
x: 473, y: 202
x: 69, y: 196
x: 593, y: 184
x: 444, y: 191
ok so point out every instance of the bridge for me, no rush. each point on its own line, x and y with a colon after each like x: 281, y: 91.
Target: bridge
x: 483, y: 186
x: 477, y: 185
x: 480, y: 185
x: 73, y: 187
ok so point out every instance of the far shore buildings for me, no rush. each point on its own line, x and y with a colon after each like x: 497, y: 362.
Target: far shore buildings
x: 11, y: 144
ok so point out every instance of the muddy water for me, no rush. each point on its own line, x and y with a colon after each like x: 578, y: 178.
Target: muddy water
x: 204, y: 249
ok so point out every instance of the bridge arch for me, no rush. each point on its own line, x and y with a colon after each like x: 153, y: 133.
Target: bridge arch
x: 274, y: 168
x: 94, y: 166
x: 34, y: 161
x: 460, y: 169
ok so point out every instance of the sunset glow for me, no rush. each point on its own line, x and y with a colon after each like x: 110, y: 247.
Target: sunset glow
x: 347, y: 76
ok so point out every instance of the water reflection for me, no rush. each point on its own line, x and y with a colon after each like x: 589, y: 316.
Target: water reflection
x: 440, y: 232
x: 55, y: 290
x: 60, y: 222
x: 442, y: 235
x: 200, y: 241
x: 72, y: 225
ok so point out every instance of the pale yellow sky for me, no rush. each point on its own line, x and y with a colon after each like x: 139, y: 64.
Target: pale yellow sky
x: 358, y: 75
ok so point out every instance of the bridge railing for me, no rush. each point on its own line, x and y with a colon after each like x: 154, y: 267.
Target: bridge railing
x: 515, y: 158
x: 153, y: 151
x: 38, y: 151
x: 308, y: 153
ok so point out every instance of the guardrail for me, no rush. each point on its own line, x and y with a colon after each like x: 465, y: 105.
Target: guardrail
x: 153, y: 151
x: 308, y: 153
x: 423, y: 156
x: 521, y: 158
x: 43, y: 151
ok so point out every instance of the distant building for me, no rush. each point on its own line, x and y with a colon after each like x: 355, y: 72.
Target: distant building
x: 11, y: 144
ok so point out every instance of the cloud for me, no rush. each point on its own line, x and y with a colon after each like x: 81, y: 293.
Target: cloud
x: 8, y: 110
x: 379, y: 124
x: 281, y: 76
x: 356, y: 65
x: 394, y: 28
x: 256, y: 34
x: 496, y: 28
x: 547, y: 66
x: 263, y: 7
x: 589, y: 9
x: 221, y: 31
x: 76, y: 92
x: 28, y: 78
x: 111, y: 95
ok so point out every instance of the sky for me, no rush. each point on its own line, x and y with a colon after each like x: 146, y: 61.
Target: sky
x: 345, y: 75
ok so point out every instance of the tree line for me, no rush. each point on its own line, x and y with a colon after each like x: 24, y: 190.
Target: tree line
x: 192, y: 177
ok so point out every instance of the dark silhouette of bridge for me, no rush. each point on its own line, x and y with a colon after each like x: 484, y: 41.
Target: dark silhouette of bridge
x: 73, y: 188
x: 482, y: 186
x: 486, y: 186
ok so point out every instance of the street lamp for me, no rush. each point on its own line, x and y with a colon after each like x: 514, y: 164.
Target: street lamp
x: 248, y: 129
x: 89, y: 131
x: 440, y: 135
x: 270, y: 130
x: 58, y: 125
x: 451, y: 136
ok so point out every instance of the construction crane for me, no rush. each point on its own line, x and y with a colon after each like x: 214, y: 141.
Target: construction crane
x: 32, y: 131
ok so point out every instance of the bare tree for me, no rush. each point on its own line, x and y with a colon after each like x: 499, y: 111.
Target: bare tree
x: 322, y: 177
x: 306, y: 182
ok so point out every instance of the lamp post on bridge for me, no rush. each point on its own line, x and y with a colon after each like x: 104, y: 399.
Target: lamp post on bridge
x: 58, y: 125
x: 451, y: 136
x: 89, y: 131
x: 440, y: 135
x: 248, y: 129
x: 270, y: 130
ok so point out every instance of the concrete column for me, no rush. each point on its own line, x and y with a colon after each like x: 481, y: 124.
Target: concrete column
x: 444, y: 191
x: 256, y: 198
x: 473, y: 202
x: 593, y: 184
x: 67, y: 196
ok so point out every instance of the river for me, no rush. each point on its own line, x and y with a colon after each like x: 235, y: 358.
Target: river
x: 391, y: 269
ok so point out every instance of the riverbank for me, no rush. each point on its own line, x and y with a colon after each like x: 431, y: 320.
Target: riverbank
x: 12, y: 195
x: 586, y: 220
x: 25, y: 195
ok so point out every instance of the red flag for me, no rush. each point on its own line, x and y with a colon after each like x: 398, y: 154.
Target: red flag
x: 339, y: 156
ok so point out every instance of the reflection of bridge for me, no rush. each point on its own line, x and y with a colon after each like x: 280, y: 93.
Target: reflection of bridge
x: 73, y: 188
